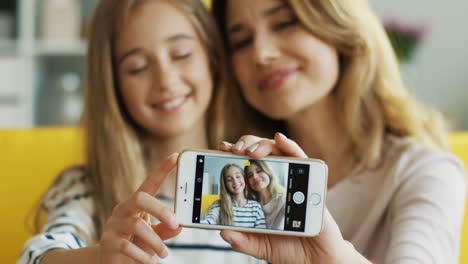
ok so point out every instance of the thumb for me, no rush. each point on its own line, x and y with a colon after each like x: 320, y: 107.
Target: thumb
x: 247, y: 243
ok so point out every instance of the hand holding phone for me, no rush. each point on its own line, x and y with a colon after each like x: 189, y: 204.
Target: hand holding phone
x: 328, y: 247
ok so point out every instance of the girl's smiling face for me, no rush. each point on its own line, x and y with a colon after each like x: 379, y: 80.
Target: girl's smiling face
x: 234, y: 180
x: 163, y: 71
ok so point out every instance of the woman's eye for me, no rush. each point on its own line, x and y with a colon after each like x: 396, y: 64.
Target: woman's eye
x: 181, y: 56
x: 137, y: 70
x: 284, y: 25
x: 241, y: 44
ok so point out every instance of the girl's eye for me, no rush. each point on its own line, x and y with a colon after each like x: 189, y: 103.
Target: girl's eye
x: 137, y: 70
x: 242, y: 44
x: 284, y: 25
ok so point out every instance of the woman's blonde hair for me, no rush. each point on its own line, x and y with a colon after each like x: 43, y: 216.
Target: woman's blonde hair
x: 371, y: 96
x: 274, y: 189
x: 116, y: 158
x: 225, y: 208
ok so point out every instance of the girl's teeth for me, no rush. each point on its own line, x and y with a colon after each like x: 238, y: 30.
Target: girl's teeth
x: 172, y: 104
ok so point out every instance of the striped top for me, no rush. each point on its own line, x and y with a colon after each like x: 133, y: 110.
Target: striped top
x: 249, y: 215
x: 70, y: 225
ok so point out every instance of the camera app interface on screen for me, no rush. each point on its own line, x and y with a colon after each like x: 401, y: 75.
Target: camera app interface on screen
x: 250, y: 193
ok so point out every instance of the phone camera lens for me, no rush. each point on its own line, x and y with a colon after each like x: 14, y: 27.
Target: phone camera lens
x: 300, y: 171
x: 185, y: 200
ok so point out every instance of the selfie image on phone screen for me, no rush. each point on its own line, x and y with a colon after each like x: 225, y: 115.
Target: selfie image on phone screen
x: 258, y: 194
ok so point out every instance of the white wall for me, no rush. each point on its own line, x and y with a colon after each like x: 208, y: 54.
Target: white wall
x: 442, y: 62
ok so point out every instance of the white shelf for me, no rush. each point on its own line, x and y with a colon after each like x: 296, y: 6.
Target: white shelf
x: 8, y: 47
x: 31, y: 67
x: 60, y: 48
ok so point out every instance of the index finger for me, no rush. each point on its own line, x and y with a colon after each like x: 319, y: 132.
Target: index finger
x: 152, y: 184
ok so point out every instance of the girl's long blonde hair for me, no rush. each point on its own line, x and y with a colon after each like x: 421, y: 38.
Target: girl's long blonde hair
x: 371, y: 96
x: 116, y: 158
x: 226, y: 216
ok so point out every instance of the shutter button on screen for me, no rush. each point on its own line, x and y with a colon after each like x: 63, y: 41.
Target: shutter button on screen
x: 298, y: 197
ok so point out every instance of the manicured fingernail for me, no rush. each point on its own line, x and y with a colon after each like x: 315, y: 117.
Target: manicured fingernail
x: 226, y: 144
x: 239, y: 145
x: 164, y: 254
x: 174, y: 224
x: 253, y: 148
x: 175, y: 154
x: 281, y: 135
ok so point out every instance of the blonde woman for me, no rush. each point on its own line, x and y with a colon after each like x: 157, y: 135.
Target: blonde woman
x: 325, y: 74
x: 266, y: 190
x: 154, y: 78
x: 234, y: 209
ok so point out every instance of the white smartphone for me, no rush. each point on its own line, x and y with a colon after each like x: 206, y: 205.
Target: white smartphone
x: 274, y: 195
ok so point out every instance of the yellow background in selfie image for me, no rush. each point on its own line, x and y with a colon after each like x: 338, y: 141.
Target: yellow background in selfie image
x: 207, y: 3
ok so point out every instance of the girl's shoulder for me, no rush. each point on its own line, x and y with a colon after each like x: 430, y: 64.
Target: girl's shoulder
x: 253, y: 203
x: 72, y: 184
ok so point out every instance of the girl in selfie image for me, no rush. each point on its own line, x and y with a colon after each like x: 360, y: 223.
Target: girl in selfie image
x: 234, y: 209
x: 324, y: 73
x: 264, y: 188
x: 155, y: 77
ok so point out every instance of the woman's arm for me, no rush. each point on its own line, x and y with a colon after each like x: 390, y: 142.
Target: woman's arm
x: 427, y: 212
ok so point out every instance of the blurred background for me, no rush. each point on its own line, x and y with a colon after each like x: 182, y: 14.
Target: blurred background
x: 43, y: 43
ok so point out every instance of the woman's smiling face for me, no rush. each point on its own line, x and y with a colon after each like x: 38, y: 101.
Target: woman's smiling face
x: 281, y: 66
x: 257, y: 178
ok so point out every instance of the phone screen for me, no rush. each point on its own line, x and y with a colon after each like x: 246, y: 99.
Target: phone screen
x: 250, y: 193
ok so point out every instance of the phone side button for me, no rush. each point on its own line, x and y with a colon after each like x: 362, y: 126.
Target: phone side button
x: 315, y: 199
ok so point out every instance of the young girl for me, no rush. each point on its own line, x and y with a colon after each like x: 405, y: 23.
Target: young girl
x: 266, y: 190
x: 234, y: 209
x: 324, y: 73
x: 155, y: 75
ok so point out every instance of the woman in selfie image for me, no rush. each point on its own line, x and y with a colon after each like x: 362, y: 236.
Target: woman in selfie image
x: 155, y: 75
x: 233, y: 208
x: 265, y: 189
x: 324, y: 74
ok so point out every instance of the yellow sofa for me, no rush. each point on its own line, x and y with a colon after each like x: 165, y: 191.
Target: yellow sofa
x: 29, y: 161
x: 207, y: 201
x: 31, y: 158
